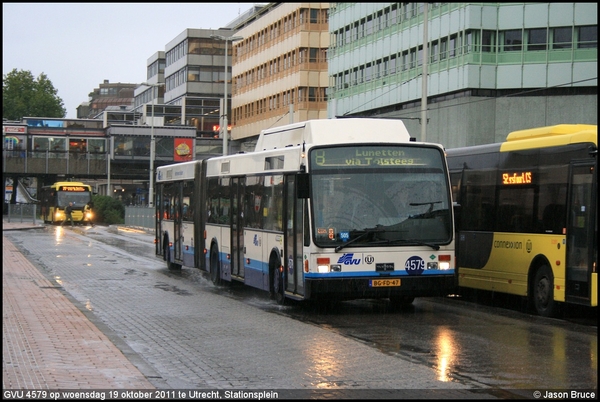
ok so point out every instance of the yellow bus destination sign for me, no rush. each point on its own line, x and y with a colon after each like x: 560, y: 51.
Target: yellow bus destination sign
x: 514, y: 178
x: 72, y: 188
x: 374, y: 156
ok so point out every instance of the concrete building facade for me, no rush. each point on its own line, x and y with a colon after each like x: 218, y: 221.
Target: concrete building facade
x: 279, y: 68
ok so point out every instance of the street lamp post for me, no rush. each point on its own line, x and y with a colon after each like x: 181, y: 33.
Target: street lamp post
x: 152, y: 148
x: 225, y: 122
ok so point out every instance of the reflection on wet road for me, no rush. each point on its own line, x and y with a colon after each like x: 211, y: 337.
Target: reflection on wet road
x: 463, y: 341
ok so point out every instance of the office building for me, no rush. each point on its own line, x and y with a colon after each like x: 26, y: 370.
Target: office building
x: 492, y: 68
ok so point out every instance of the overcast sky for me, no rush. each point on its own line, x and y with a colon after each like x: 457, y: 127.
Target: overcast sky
x: 79, y: 45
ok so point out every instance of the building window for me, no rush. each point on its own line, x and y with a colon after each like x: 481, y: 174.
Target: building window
x: 513, y: 40
x: 391, y: 65
x: 453, y: 47
x: 193, y: 74
x: 488, y: 41
x: 405, y: 60
x: 433, y: 51
x: 369, y: 26
x: 562, y: 38
x: 443, y: 48
x: 537, y: 39
x: 587, y: 37
x: 314, y: 15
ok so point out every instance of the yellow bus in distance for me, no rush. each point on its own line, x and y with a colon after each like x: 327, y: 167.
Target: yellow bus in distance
x: 55, y: 198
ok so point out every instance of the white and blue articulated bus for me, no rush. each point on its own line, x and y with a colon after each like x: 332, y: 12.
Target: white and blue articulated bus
x: 334, y: 209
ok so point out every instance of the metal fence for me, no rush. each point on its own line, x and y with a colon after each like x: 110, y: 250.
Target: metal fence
x: 140, y: 217
x: 22, y: 212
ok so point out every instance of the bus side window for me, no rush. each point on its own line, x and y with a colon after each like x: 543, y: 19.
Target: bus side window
x: 553, y: 219
x: 506, y: 215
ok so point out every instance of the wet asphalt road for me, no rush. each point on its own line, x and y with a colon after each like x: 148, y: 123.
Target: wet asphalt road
x: 174, y: 321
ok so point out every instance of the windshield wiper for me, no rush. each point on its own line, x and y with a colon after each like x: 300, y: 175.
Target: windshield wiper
x: 415, y: 204
x: 369, y: 231
x: 417, y: 242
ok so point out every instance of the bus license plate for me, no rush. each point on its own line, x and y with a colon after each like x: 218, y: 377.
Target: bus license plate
x: 381, y: 283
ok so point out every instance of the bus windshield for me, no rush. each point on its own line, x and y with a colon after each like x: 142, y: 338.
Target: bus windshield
x: 380, y: 195
x: 78, y: 198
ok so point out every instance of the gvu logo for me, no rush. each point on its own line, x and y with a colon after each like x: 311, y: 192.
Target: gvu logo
x: 255, y: 240
x: 414, y: 265
x: 347, y: 259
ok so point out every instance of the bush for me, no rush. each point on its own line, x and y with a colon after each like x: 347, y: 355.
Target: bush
x: 108, y: 210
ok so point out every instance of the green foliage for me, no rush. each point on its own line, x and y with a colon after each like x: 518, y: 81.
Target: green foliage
x: 24, y: 96
x: 108, y: 210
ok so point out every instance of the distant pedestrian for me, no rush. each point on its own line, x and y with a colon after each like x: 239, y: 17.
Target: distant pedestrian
x: 68, y: 214
x: 88, y: 213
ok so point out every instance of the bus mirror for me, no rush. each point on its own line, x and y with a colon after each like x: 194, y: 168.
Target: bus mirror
x: 302, y: 185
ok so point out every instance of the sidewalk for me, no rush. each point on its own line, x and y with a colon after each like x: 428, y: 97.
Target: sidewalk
x: 47, y: 342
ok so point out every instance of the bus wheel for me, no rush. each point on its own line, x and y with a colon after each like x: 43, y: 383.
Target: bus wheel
x: 171, y: 266
x: 215, y: 271
x: 543, y: 291
x: 277, y: 288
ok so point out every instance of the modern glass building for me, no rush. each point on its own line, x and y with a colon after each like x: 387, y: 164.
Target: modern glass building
x: 491, y: 68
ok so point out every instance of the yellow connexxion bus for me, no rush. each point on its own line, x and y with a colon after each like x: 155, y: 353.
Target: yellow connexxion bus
x: 55, y: 198
x: 526, y: 219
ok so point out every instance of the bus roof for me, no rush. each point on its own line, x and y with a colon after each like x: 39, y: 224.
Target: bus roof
x: 333, y: 131
x: 540, y: 137
x: 69, y: 183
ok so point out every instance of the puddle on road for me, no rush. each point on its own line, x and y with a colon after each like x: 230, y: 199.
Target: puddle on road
x: 170, y: 288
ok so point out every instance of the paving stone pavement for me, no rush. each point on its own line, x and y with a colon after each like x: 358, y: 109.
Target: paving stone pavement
x: 48, y: 343
x: 166, y: 333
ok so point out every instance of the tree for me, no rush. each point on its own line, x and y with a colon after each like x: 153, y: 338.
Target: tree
x: 24, y: 96
x: 108, y: 210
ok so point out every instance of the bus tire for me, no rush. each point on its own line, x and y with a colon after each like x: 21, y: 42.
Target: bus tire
x: 543, y: 292
x: 215, y: 270
x: 277, y: 282
x: 172, y: 266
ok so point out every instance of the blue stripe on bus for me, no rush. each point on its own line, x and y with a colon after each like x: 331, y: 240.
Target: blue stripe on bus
x: 361, y: 274
x: 257, y: 265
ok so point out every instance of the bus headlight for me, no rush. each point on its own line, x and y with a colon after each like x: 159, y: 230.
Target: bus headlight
x: 322, y: 265
x: 445, y: 260
x: 322, y: 269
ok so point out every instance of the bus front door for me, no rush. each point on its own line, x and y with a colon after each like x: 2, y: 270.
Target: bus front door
x: 237, y: 229
x: 177, y: 218
x: 294, y: 275
x: 581, y: 232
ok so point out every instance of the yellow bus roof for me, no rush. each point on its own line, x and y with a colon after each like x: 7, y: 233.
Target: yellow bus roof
x: 540, y: 137
x: 69, y: 183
